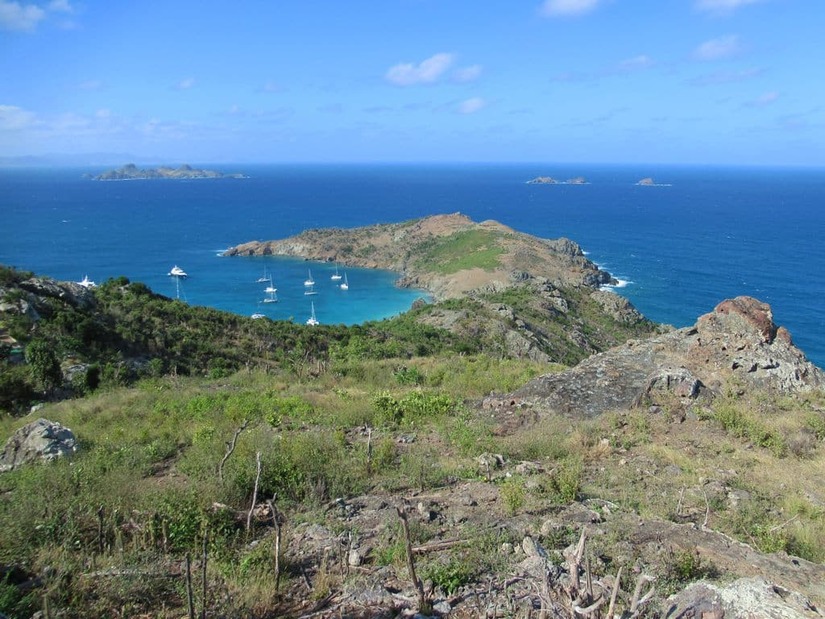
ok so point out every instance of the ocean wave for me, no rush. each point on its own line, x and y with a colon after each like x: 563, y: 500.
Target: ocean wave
x: 620, y: 283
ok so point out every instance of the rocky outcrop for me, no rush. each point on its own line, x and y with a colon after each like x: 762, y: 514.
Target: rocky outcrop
x: 40, y: 440
x: 66, y: 292
x: 737, y: 342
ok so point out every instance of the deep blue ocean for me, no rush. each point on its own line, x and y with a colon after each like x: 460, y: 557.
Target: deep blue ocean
x: 706, y: 234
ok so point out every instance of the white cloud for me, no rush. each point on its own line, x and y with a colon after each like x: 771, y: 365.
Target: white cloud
x: 467, y: 74
x: 426, y: 72
x: 554, y: 8
x: 272, y: 86
x: 60, y: 6
x: 90, y: 85
x: 637, y: 63
x: 185, y: 84
x: 13, y: 118
x: 16, y: 16
x: 471, y: 106
x: 764, y: 99
x: 722, y: 6
x: 718, y: 49
x: 727, y: 77
x: 26, y: 17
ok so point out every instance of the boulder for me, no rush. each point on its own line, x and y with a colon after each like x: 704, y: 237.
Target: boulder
x: 40, y: 440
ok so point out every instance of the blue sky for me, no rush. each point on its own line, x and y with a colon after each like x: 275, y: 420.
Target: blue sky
x: 613, y: 81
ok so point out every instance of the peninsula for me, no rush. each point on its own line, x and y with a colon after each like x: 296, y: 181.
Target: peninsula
x: 185, y: 172
x: 447, y: 255
x: 532, y: 297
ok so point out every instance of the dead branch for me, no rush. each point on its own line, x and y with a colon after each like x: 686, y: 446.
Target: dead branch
x: 276, y: 521
x: 190, y: 601
x: 436, y: 546
x: 230, y: 447
x: 637, y: 603
x: 424, y: 603
x: 617, y: 583
x: 204, y: 558
x: 254, y: 490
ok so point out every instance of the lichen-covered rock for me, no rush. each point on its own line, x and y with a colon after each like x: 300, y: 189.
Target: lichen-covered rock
x: 40, y: 440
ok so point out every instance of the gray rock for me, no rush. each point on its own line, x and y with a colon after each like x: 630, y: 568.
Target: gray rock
x: 40, y: 440
x: 746, y: 598
x: 532, y: 548
x: 442, y: 607
x: 354, y: 558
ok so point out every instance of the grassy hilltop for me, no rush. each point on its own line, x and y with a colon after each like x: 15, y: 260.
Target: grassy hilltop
x: 187, y: 417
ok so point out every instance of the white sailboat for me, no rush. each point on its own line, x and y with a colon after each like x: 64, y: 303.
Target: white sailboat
x: 265, y: 278
x: 270, y: 290
x: 312, y: 320
x: 336, y: 277
x: 178, y: 274
x: 87, y: 283
x: 309, y: 281
x: 345, y: 285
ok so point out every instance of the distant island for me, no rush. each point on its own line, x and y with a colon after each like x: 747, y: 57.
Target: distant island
x: 185, y: 172
x: 649, y: 182
x: 549, y: 180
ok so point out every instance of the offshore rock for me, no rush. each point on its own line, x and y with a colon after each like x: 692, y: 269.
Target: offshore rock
x: 738, y: 341
x: 40, y: 440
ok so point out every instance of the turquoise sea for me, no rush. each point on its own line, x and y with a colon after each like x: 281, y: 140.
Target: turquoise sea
x: 703, y: 235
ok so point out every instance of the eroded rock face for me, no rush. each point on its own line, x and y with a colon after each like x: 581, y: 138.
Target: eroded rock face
x: 737, y: 341
x: 40, y: 440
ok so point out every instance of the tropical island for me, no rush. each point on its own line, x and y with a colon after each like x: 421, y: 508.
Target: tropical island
x: 549, y: 180
x: 525, y: 440
x: 184, y: 172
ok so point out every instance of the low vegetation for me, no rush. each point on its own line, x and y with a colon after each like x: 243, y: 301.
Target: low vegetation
x: 471, y: 249
x: 327, y: 432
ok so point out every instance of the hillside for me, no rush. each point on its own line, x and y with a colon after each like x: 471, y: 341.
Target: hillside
x: 436, y: 461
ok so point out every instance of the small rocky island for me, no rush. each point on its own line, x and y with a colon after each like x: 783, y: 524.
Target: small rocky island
x: 549, y: 180
x: 649, y: 182
x: 185, y: 172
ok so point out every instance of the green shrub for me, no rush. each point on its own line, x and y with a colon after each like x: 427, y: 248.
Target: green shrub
x: 513, y: 495
x: 449, y: 576
x: 682, y: 567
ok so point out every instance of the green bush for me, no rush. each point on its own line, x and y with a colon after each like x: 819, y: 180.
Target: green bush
x: 449, y: 576
x: 513, y: 495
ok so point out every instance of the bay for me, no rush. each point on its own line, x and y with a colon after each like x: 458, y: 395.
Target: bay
x: 704, y: 235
